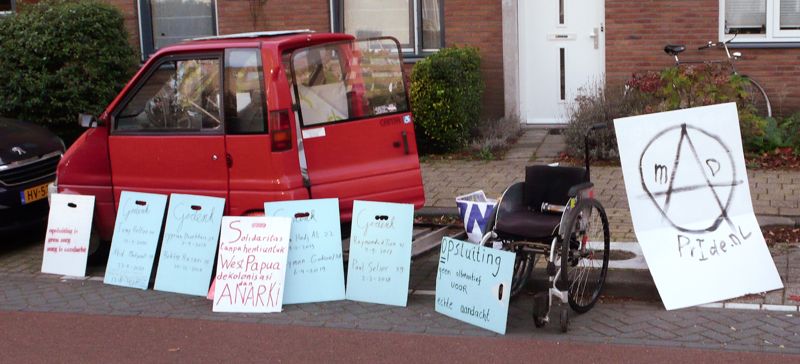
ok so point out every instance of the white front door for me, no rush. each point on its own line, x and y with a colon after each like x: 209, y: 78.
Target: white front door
x: 562, y: 49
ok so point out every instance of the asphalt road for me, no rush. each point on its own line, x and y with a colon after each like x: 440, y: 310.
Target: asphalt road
x: 31, y: 337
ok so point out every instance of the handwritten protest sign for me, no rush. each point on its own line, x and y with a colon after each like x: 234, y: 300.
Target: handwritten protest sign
x: 136, y: 233
x: 690, y: 203
x: 252, y: 264
x: 380, y: 253
x: 69, y: 227
x: 190, y: 244
x: 473, y: 284
x: 315, y: 270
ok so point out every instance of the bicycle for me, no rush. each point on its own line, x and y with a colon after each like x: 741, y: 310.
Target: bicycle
x: 553, y: 213
x: 753, y: 90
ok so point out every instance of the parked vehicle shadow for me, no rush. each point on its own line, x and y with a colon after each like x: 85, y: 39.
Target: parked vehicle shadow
x: 16, y: 240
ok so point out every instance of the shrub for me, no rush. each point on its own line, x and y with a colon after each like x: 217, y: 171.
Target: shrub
x: 492, y: 136
x: 600, y: 104
x: 446, y: 91
x: 59, y: 58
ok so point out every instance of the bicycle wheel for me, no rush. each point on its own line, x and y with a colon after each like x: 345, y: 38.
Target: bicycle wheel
x: 589, y: 246
x: 757, y: 97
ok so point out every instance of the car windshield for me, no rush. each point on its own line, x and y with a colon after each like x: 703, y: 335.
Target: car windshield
x: 349, y: 80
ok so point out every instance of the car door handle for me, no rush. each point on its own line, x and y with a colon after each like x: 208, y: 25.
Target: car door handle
x: 405, y: 141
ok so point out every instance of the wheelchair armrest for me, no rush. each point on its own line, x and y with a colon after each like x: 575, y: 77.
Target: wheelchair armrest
x: 511, y: 200
x: 574, y: 190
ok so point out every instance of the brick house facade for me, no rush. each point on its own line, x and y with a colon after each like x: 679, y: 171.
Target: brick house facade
x: 635, y: 34
x: 465, y: 22
x: 638, y: 30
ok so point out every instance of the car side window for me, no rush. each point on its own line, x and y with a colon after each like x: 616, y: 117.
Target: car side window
x: 180, y: 95
x: 244, y: 98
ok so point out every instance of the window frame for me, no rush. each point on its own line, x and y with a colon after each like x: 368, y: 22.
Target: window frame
x: 146, y: 41
x: 219, y: 56
x: 9, y: 12
x: 418, y: 51
x: 774, y: 37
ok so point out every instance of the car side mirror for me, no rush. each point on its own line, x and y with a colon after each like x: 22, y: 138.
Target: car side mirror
x: 87, y: 120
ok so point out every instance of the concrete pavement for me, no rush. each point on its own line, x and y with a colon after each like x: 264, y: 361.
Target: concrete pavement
x: 775, y: 196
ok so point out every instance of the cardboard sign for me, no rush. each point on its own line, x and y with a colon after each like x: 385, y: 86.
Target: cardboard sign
x: 315, y: 269
x: 136, y: 232
x: 690, y: 203
x: 69, y: 227
x: 190, y: 244
x: 473, y: 284
x: 252, y: 264
x: 380, y: 252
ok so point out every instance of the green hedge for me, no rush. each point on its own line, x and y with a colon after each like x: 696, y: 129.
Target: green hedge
x: 446, y: 91
x: 60, y: 58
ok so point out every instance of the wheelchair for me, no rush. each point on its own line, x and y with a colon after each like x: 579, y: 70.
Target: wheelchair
x: 553, y: 214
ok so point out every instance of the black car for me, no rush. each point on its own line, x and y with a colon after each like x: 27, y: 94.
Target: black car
x: 29, y: 155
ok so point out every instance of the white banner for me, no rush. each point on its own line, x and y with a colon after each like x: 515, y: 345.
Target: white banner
x: 690, y: 203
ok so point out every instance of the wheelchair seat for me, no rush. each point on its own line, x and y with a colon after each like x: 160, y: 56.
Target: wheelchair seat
x: 519, y: 214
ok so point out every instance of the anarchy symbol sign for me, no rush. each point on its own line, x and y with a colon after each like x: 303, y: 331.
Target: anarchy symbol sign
x: 698, y: 173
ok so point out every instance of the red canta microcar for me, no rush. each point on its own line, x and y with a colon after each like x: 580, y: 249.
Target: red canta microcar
x: 254, y: 117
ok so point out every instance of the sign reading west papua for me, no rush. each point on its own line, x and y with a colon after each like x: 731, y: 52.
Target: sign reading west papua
x: 690, y: 204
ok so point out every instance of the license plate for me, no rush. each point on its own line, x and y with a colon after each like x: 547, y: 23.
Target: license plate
x: 33, y: 194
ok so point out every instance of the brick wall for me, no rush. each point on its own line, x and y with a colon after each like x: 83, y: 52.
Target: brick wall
x: 637, y: 30
x: 131, y: 16
x: 480, y: 24
x: 235, y: 15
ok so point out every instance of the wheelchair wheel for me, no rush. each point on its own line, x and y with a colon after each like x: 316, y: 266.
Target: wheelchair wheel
x: 586, y: 263
x: 523, y: 266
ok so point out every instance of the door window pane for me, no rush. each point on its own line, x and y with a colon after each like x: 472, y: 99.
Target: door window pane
x: 790, y: 14
x: 244, y: 100
x: 180, y: 95
x: 369, y: 18
x: 174, y: 21
x: 745, y: 16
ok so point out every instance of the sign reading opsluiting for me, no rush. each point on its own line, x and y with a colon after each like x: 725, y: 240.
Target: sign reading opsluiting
x: 190, y: 244
x: 136, y: 232
x: 315, y: 269
x: 69, y: 227
x: 690, y: 204
x: 473, y: 284
x: 380, y: 253
x: 252, y: 264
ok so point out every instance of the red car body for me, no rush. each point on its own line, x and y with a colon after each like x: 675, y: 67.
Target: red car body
x: 371, y: 154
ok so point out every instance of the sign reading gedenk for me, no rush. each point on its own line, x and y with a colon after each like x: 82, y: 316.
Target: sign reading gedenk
x: 315, y: 268
x: 190, y: 244
x: 69, y: 227
x: 690, y: 204
x: 136, y: 232
x: 252, y: 264
x: 380, y: 252
x: 473, y: 284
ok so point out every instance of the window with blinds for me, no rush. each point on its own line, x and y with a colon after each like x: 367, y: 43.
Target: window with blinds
x: 789, y: 14
x: 745, y: 16
x: 760, y: 20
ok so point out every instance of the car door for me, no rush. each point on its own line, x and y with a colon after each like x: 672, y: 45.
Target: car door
x: 356, y: 125
x: 167, y: 134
